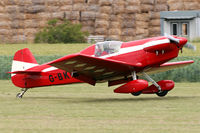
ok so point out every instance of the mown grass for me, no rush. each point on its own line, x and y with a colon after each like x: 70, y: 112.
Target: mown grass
x: 87, y: 109
x: 65, y: 49
x: 189, y: 52
x: 43, y: 49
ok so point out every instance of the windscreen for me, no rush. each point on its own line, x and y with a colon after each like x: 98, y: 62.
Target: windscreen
x: 107, y: 47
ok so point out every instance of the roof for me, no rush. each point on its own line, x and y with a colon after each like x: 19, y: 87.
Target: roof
x: 180, y: 14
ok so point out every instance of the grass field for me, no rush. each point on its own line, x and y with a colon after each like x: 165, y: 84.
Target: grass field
x: 87, y: 109
x: 64, y: 49
x: 43, y: 49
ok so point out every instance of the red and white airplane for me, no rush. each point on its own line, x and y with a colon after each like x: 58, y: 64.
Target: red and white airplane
x: 114, y: 62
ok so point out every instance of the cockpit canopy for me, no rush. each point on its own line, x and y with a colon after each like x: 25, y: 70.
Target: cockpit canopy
x: 107, y: 47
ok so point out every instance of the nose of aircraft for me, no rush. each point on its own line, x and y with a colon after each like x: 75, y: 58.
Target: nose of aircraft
x: 182, y: 41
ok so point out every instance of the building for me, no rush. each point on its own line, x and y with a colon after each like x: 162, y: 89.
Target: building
x: 181, y: 23
x: 123, y: 20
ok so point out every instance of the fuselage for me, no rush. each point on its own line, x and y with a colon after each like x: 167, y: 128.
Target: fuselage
x: 49, y: 76
x: 144, y: 53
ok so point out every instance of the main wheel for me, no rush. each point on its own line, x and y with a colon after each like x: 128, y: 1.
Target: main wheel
x: 137, y: 93
x: 162, y: 93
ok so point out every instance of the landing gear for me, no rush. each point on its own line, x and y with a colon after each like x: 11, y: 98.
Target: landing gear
x: 135, y: 77
x: 137, y: 93
x: 152, y: 81
x: 155, y: 88
x: 162, y: 93
x: 20, y: 95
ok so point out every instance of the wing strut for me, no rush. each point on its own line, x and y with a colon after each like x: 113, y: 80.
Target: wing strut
x: 134, y: 76
x: 152, y: 81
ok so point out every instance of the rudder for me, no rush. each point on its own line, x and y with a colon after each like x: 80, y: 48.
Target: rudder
x: 23, y: 60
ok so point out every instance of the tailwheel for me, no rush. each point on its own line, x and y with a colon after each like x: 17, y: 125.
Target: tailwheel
x: 20, y: 95
x: 136, y: 93
x: 162, y: 93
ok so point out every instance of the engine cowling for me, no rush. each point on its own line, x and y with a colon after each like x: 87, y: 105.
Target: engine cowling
x: 164, y: 84
x: 132, y: 86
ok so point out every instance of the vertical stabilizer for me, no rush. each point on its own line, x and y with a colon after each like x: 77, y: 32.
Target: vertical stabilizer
x: 23, y: 60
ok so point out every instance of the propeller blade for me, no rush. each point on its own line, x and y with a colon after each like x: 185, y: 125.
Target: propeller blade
x: 177, y: 41
x: 172, y: 39
x: 190, y: 46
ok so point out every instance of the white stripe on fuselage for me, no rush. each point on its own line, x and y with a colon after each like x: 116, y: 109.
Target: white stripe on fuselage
x: 21, y: 66
x: 137, y: 48
x: 49, y: 69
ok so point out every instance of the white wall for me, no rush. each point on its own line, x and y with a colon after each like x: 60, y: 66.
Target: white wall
x: 167, y: 27
x: 198, y: 27
x: 192, y: 29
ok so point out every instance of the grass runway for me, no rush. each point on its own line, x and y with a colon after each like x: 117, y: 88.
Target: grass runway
x: 65, y: 49
x: 87, y: 109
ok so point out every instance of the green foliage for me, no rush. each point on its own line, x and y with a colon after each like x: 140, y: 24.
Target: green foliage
x: 190, y: 73
x: 65, y: 32
x: 5, y: 66
x: 6, y: 62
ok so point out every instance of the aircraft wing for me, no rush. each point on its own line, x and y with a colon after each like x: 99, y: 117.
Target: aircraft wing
x: 168, y: 66
x: 90, y: 69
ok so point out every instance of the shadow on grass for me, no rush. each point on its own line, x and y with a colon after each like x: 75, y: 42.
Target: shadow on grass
x: 134, y: 99
x: 101, y: 100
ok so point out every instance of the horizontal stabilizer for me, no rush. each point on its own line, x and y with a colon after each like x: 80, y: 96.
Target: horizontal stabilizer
x: 26, y: 72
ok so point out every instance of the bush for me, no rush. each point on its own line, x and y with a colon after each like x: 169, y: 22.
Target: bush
x: 66, y: 32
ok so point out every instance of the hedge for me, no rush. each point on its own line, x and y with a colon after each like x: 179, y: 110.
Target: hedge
x: 6, y: 62
x: 190, y: 73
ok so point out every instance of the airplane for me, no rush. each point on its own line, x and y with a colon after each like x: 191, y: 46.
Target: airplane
x: 114, y: 62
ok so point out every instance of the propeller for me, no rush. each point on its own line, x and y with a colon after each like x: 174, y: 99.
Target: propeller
x: 172, y: 39
x: 178, y: 41
x: 190, y: 46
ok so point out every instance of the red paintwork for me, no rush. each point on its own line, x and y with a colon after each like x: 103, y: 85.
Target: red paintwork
x: 159, y: 48
x: 88, y: 51
x: 27, y: 56
x: 132, y: 86
x: 183, y: 41
x: 56, y: 77
x: 164, y: 84
x: 35, y: 77
x: 119, y: 65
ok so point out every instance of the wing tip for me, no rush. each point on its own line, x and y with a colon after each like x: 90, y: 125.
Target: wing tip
x: 178, y: 63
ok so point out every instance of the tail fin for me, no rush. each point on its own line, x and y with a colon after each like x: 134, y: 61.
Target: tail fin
x: 23, y: 60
